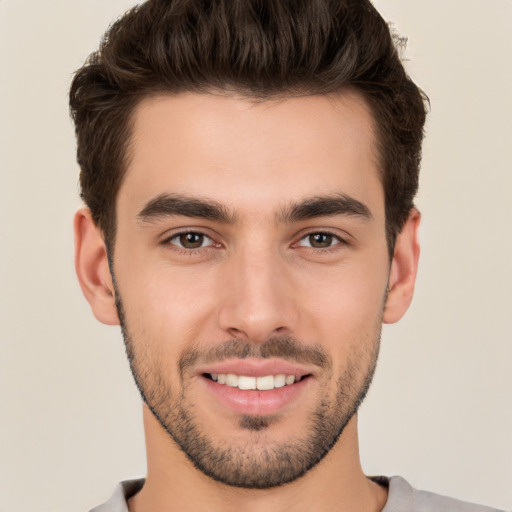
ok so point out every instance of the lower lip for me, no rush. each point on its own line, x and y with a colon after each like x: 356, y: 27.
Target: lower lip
x: 255, y: 402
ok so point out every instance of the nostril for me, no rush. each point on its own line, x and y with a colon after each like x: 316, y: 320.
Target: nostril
x: 237, y: 333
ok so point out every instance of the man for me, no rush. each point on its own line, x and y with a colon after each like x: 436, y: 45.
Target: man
x: 249, y: 170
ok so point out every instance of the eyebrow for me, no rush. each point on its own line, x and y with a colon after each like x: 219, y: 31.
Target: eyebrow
x: 169, y: 205
x: 325, y: 206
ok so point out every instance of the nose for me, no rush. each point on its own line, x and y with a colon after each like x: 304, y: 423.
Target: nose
x: 257, y: 297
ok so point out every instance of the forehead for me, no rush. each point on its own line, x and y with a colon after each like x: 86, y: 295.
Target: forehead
x: 248, y: 154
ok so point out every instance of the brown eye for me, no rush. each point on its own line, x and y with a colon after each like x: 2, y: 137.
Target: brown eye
x: 191, y: 240
x: 320, y: 240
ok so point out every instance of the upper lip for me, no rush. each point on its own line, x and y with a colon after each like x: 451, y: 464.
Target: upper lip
x: 256, y: 367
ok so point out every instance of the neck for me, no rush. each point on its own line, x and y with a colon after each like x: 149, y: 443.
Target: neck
x: 173, y: 483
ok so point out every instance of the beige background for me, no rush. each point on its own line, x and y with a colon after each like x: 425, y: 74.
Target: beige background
x: 440, y: 411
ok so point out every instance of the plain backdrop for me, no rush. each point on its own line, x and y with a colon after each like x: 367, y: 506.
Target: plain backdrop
x: 440, y: 410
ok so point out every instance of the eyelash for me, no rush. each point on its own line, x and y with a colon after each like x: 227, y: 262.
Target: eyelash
x: 194, y: 251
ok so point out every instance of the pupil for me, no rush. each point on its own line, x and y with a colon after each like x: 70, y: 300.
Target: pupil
x: 320, y: 240
x: 191, y: 240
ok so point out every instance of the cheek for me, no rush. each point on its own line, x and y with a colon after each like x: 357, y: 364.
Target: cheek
x: 168, y: 306
x: 344, y: 311
x: 350, y: 294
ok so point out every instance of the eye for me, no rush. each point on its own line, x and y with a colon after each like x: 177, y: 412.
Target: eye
x: 320, y: 240
x: 190, y: 240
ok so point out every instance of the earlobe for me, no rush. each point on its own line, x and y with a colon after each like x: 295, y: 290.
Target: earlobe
x: 403, y: 271
x: 91, y: 265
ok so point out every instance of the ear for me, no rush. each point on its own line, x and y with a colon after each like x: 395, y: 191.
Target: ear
x: 404, y: 266
x: 91, y: 265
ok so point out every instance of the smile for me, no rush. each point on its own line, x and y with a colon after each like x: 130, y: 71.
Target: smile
x: 263, y: 383
x: 256, y: 386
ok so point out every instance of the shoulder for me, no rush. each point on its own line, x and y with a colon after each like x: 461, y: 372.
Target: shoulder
x: 404, y: 498
x: 118, y: 500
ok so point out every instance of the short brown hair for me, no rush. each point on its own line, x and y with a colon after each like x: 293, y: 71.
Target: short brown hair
x: 255, y: 48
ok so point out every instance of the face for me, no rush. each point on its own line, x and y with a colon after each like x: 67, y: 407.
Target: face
x: 251, y: 271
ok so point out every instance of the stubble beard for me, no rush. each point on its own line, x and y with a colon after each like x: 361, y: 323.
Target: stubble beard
x: 256, y: 464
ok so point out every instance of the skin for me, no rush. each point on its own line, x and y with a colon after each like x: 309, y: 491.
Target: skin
x: 255, y: 277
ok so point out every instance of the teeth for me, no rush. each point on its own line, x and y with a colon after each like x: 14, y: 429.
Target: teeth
x: 231, y: 380
x: 244, y: 382
x: 265, y: 383
x: 280, y: 380
x: 290, y: 379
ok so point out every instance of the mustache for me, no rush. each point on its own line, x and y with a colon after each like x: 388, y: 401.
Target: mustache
x: 283, y: 347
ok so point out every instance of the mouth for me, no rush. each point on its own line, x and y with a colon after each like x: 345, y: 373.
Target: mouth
x: 256, y: 388
x: 262, y: 383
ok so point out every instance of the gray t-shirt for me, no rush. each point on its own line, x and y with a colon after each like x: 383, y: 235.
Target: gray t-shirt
x: 401, y: 498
